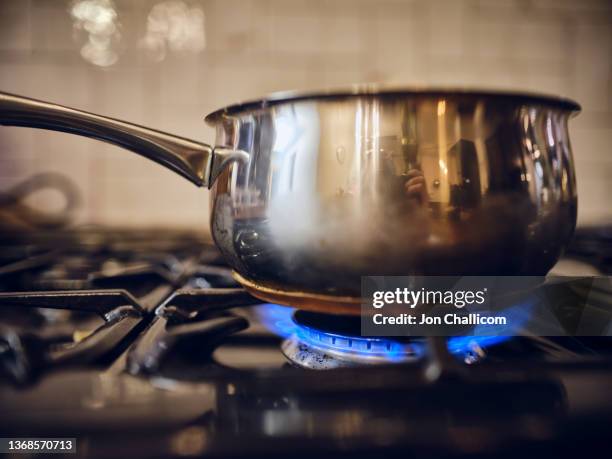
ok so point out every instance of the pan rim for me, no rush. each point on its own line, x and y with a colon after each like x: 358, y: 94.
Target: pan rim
x: 282, y: 97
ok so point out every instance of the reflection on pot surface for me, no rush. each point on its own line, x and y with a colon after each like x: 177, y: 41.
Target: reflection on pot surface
x: 340, y: 187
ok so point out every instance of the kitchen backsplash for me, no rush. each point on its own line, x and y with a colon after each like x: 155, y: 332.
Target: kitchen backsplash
x: 167, y: 63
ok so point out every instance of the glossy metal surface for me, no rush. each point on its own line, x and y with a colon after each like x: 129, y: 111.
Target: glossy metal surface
x: 192, y: 160
x: 315, y: 191
x: 392, y: 184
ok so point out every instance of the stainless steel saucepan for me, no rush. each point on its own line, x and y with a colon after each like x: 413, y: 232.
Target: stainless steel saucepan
x: 312, y: 191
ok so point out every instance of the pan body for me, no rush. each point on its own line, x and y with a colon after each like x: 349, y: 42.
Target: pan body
x: 338, y: 187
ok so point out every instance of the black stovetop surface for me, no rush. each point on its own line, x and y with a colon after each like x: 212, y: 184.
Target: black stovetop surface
x: 140, y: 344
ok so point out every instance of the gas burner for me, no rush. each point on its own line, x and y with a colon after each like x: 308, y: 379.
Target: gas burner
x: 322, y: 341
x: 331, y: 351
x: 319, y: 341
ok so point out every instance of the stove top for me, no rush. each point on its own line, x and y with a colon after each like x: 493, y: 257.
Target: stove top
x: 141, y: 344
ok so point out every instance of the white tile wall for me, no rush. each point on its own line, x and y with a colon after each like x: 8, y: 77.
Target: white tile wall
x: 258, y: 46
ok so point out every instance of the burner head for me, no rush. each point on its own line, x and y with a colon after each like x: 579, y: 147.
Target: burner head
x: 322, y: 341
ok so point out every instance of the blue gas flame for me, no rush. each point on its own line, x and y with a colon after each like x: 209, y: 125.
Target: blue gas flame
x: 278, y: 320
x: 489, y: 335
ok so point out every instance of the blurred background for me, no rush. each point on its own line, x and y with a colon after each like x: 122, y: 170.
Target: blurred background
x: 167, y: 63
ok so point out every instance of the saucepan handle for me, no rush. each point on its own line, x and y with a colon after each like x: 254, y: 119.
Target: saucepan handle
x: 197, y: 162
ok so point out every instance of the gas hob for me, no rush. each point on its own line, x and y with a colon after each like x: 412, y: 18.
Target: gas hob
x: 141, y: 344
